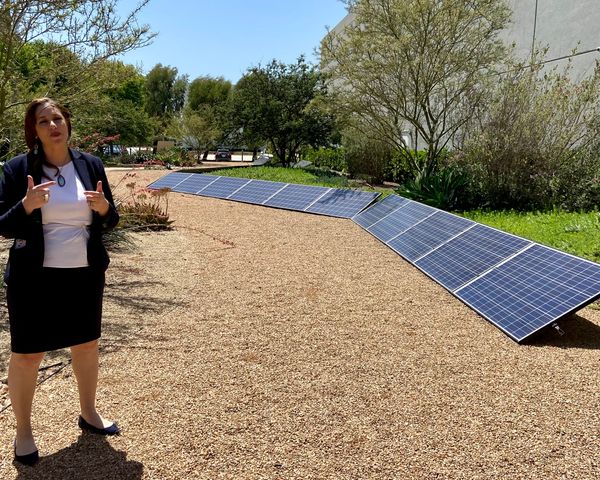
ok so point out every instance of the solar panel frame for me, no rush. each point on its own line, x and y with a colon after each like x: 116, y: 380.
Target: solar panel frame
x: 537, y: 302
x: 488, y: 248
x: 400, y: 220
x: 306, y: 198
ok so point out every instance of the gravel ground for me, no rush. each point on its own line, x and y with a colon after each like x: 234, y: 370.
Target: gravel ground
x: 255, y: 343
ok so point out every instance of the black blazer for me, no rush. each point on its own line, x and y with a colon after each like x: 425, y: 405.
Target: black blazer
x: 26, y: 255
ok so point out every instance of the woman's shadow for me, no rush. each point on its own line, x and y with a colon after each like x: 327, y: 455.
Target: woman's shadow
x: 91, y: 457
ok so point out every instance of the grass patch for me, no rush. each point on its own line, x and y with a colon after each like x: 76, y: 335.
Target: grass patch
x: 286, y: 175
x: 576, y: 233
x: 303, y: 176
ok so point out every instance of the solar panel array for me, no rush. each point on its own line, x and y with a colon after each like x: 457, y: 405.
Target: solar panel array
x: 334, y: 202
x: 518, y: 285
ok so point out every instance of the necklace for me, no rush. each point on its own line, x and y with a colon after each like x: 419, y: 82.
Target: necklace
x: 60, y: 179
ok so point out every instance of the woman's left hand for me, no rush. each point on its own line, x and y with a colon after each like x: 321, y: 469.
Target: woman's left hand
x: 96, y: 200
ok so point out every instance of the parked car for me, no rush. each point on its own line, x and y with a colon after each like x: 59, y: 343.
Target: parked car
x: 113, y: 150
x: 223, y: 154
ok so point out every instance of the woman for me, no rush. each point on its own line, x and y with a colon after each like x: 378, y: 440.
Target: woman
x: 55, y: 202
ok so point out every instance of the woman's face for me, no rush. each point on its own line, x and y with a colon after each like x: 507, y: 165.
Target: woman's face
x: 50, y: 126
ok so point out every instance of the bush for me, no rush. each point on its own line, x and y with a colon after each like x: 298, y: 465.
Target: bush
x: 535, y: 145
x: 175, y: 156
x: 141, y: 208
x: 443, y: 189
x: 331, y: 158
x: 368, y: 159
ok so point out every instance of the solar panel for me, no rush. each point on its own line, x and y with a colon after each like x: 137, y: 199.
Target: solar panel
x: 468, y: 255
x: 195, y: 183
x: 169, y: 181
x: 400, y: 220
x: 368, y: 217
x: 223, y: 187
x: 516, y: 284
x: 342, y: 203
x: 257, y: 191
x: 296, y: 197
x: 432, y: 232
x: 532, y: 290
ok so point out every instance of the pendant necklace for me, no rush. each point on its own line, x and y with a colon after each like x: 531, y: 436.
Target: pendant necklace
x: 60, y: 179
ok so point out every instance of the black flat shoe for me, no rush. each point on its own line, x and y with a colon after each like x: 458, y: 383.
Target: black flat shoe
x: 30, y: 459
x: 111, y: 430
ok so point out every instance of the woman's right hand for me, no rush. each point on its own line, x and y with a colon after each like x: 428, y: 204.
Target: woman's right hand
x: 37, y: 195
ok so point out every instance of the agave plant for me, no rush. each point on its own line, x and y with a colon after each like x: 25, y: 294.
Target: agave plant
x: 441, y: 189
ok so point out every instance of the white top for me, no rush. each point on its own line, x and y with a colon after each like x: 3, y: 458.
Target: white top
x: 65, y: 220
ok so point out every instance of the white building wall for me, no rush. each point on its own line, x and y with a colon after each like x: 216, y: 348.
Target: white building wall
x: 561, y: 25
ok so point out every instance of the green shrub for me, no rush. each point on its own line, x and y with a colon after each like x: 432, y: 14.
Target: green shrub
x: 368, y: 159
x: 442, y: 189
x: 535, y: 144
x: 332, y: 158
x: 175, y: 156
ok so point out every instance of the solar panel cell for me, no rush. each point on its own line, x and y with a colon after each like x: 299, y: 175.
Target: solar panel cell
x: 342, y: 203
x: 257, y: 191
x: 469, y: 255
x: 432, y: 232
x: 169, y: 181
x: 533, y: 289
x: 379, y: 210
x: 195, y: 183
x: 223, y: 187
x: 400, y: 220
x: 296, y: 197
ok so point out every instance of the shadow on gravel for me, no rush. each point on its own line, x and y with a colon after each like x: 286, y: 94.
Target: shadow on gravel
x: 116, y: 333
x: 579, y: 333
x: 91, y: 457
x: 124, y: 294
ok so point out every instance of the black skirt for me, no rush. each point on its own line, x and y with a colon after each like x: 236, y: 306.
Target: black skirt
x: 60, y: 308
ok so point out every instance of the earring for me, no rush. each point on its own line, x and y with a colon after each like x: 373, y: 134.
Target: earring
x: 35, y: 147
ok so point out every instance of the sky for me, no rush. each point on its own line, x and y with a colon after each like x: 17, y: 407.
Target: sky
x: 226, y: 37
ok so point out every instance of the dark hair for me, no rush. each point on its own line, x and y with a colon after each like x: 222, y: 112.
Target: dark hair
x: 30, y: 133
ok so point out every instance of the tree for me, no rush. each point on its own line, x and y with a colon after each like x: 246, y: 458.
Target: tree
x: 55, y: 48
x: 117, y: 109
x: 209, y: 91
x: 421, y: 64
x: 280, y: 103
x: 197, y: 129
x: 165, y: 92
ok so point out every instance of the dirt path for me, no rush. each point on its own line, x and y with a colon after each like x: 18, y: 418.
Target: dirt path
x: 255, y: 343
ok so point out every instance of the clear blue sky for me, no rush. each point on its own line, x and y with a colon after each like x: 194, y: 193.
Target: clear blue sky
x: 226, y: 37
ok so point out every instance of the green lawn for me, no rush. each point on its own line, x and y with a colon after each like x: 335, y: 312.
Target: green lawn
x: 576, y: 233
x: 296, y: 175
x: 287, y: 175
